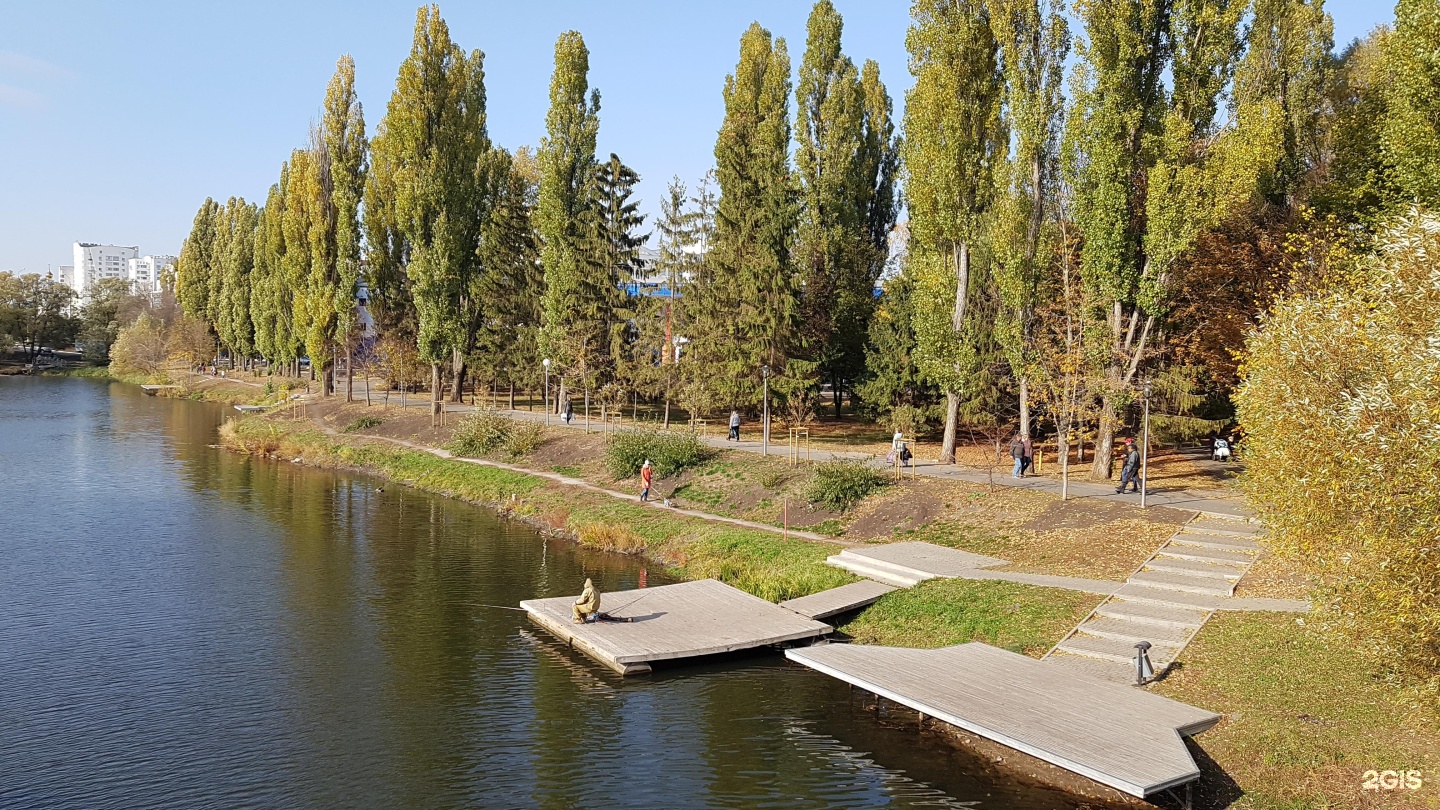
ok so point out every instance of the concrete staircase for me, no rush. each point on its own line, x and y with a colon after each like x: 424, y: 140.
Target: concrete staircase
x: 890, y: 573
x: 1165, y: 602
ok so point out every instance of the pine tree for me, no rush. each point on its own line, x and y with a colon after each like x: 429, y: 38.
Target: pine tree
x: 192, y: 280
x: 510, y: 290
x: 743, y: 302
x: 573, y: 324
x: 954, y: 144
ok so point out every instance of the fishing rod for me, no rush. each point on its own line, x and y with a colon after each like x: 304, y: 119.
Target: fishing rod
x: 631, y: 602
x: 502, y: 607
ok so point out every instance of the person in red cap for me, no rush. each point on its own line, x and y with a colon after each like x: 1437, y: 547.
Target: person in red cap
x: 1130, y: 471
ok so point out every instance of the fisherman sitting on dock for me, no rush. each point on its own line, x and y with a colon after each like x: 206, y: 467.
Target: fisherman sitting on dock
x: 588, y: 604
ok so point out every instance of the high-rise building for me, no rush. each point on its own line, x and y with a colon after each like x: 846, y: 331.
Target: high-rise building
x: 94, y: 262
x: 145, y: 272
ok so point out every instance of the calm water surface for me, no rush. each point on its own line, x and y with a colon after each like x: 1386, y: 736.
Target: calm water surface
x: 182, y: 627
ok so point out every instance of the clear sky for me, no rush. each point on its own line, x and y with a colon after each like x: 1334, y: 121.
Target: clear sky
x: 118, y: 119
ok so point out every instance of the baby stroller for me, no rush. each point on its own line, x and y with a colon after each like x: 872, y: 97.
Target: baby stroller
x: 1221, y: 451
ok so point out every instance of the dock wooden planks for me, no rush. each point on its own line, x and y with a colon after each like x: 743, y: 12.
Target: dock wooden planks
x: 688, y: 619
x: 1117, y: 735
x: 839, y: 600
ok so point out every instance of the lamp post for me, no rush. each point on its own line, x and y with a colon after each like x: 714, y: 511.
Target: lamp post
x: 765, y: 382
x: 546, y: 364
x: 1145, y: 450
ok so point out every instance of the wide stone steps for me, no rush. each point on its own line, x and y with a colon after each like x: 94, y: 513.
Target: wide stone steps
x: 1167, y: 598
x: 1118, y: 651
x: 1184, y: 583
x: 1226, y: 571
x: 1228, y: 528
x: 1103, y: 669
x: 1205, y: 554
x: 1215, y: 541
x: 1151, y: 614
x: 1131, y: 632
x: 878, y: 570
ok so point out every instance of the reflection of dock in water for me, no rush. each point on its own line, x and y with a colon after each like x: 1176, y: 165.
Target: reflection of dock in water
x: 670, y: 622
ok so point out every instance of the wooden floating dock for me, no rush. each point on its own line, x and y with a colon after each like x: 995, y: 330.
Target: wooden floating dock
x: 839, y: 600
x: 152, y: 390
x: 673, y: 621
x: 1117, y: 735
x: 250, y: 408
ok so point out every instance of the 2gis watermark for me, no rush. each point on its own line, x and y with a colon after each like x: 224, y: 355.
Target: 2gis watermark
x: 1391, y: 780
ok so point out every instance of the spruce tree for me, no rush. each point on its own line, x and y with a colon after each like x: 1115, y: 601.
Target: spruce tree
x: 953, y: 147
x: 506, y: 347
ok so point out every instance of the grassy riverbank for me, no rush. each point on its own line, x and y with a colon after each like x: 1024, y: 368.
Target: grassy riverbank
x: 761, y: 562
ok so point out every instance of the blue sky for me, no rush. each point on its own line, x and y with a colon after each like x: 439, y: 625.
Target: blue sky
x: 118, y: 119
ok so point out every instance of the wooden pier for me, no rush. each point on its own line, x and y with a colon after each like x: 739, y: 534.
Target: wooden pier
x: 839, y: 600
x: 152, y: 390
x: 1117, y: 735
x: 671, y: 622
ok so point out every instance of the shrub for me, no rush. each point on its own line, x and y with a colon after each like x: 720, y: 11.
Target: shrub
x: 481, y: 433
x: 610, y: 537
x: 363, y: 423
x: 669, y: 453
x: 842, y: 483
x: 773, y: 479
x: 1341, y: 411
x: 525, y: 438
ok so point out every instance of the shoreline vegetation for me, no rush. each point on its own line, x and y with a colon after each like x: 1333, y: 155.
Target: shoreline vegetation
x: 1305, y: 711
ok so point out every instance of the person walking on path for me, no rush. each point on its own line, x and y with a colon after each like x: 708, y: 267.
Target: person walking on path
x: 1130, y: 472
x: 1017, y: 452
x: 734, y: 425
x: 647, y: 474
x: 569, y: 413
x: 1028, y: 458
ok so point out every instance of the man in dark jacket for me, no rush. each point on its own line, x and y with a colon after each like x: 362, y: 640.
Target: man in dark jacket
x: 1130, y: 472
x: 1017, y: 452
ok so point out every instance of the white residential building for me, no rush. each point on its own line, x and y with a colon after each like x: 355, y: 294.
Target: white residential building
x: 146, y: 271
x: 65, y: 274
x: 94, y: 262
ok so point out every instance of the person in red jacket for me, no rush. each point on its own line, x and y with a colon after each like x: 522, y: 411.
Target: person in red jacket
x: 647, y: 473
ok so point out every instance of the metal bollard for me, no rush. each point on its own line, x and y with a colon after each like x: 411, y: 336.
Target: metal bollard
x: 1143, y: 669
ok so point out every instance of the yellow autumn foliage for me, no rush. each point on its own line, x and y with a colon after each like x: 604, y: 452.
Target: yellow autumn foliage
x: 1341, y: 401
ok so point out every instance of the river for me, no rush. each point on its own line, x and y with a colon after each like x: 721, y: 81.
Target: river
x: 181, y: 627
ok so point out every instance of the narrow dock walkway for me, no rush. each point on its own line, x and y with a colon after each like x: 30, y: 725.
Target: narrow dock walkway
x: 839, y: 600
x: 668, y: 622
x: 1126, y: 738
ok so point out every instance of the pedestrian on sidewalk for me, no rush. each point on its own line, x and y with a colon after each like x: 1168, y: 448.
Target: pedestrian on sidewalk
x: 1028, y: 458
x: 569, y: 413
x: 1130, y: 471
x: 734, y: 425
x: 1017, y: 452
x: 647, y: 474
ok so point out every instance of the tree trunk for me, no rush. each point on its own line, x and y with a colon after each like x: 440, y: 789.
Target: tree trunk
x: 512, y: 395
x: 1024, y: 408
x: 435, y: 394
x: 835, y: 395
x: 1100, y: 469
x: 457, y: 368
x: 667, y: 410
x: 560, y: 395
x: 952, y: 421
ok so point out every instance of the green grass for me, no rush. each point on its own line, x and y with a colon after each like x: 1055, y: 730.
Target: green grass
x: 363, y: 423
x: 939, y: 613
x: 1306, y: 714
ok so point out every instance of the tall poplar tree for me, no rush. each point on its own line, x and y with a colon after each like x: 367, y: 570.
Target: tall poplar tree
x: 343, y: 128
x: 233, y: 324
x: 573, y: 326
x: 953, y: 148
x: 192, y: 272
x: 1410, y: 136
x: 1034, y: 41
x: 845, y: 166
x: 299, y: 216
x: 743, y: 302
x: 434, y: 156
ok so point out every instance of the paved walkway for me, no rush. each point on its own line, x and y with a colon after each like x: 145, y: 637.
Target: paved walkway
x: 1218, y: 502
